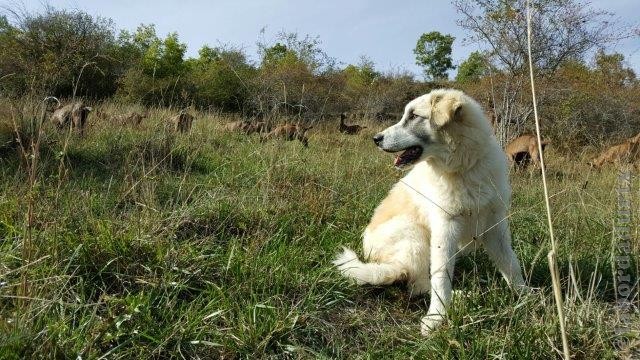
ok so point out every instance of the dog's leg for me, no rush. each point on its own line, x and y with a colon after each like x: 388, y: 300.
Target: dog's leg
x: 444, y: 237
x: 498, y: 246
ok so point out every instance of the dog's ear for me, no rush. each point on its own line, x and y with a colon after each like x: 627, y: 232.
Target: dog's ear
x: 445, y: 108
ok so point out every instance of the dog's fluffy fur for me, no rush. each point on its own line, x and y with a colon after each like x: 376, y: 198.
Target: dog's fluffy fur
x: 455, y: 197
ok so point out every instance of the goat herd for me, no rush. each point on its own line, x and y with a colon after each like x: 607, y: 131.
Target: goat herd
x: 521, y: 151
x: 287, y: 131
x: 74, y: 115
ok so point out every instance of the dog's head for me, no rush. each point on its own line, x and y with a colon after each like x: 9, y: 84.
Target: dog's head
x: 433, y: 126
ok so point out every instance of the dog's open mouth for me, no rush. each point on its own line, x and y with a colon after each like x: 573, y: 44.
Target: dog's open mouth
x: 408, y: 156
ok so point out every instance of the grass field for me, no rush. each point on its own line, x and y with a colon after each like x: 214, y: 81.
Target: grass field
x: 148, y: 244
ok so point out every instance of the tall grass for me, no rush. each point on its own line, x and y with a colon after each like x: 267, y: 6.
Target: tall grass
x: 214, y: 245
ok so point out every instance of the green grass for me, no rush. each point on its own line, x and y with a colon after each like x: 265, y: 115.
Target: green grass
x: 148, y: 244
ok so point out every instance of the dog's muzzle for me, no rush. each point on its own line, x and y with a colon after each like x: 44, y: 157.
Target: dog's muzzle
x: 377, y: 139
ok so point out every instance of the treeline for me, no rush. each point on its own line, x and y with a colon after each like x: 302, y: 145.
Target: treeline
x: 69, y: 53
x: 585, y: 97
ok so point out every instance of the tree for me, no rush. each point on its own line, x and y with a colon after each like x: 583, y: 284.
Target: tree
x: 361, y: 75
x: 277, y: 55
x: 473, y: 68
x: 290, y: 47
x: 287, y: 80
x: 207, y: 54
x: 47, y: 52
x: 433, y: 53
x: 359, y: 80
x: 562, y: 30
x: 220, y: 77
x: 613, y: 70
x: 158, y: 76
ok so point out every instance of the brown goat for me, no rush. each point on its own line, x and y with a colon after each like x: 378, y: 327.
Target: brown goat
x: 102, y: 115
x: 182, y: 122
x: 259, y: 127
x: 349, y: 129
x: 74, y: 115
x: 247, y: 127
x: 133, y: 118
x: 289, y: 132
x: 523, y: 149
x: 624, y: 152
x: 240, y: 125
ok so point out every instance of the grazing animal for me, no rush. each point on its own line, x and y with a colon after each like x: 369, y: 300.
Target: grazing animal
x: 523, y: 149
x: 133, y: 118
x: 259, y: 127
x: 62, y: 115
x: 247, y: 127
x: 289, y: 132
x: 73, y: 114
x: 455, y: 197
x: 182, y: 122
x: 240, y: 125
x: 349, y: 129
x: 102, y: 115
x: 624, y: 152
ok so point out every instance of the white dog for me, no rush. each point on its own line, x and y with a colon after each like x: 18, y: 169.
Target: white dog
x: 455, y: 197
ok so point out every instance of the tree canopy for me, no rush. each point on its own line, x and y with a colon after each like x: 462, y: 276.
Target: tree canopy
x: 433, y: 54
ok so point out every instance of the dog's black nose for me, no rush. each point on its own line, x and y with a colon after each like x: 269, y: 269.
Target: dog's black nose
x: 378, y: 139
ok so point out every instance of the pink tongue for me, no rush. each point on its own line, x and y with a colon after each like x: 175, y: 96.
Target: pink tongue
x: 397, y: 160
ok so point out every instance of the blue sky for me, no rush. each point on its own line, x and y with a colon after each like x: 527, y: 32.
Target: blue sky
x: 385, y: 31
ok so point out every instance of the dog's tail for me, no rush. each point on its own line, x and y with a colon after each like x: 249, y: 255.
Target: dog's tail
x: 367, y: 273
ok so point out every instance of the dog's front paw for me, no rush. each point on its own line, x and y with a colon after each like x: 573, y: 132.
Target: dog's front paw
x: 430, y: 323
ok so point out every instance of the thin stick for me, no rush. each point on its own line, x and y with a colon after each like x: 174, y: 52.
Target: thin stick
x: 553, y: 264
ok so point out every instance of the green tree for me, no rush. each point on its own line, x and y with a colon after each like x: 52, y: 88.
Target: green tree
x: 291, y: 75
x: 359, y: 79
x: 278, y: 54
x: 172, y: 60
x: 361, y: 75
x: 164, y: 58
x: 433, y: 53
x: 291, y: 48
x: 47, y: 52
x: 473, y: 68
x: 220, y: 78
x: 613, y: 70
x: 207, y: 54
x: 159, y: 76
